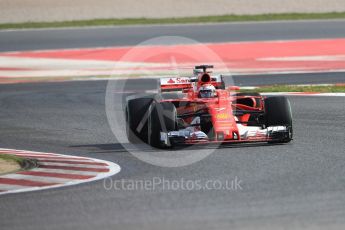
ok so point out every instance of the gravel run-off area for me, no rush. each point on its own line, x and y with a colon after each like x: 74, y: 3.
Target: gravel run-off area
x: 13, y: 11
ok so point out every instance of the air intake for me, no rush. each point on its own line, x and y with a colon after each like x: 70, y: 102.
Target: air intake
x: 205, y: 78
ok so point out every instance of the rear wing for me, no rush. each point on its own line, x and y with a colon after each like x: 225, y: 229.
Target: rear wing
x: 183, y: 83
x: 175, y: 83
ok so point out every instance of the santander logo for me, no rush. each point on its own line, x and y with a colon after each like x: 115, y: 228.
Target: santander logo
x: 177, y: 80
x: 171, y: 81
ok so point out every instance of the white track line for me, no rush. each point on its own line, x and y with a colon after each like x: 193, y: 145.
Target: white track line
x: 10, y: 187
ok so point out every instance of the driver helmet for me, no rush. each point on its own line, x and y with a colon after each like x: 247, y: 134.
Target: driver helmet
x: 207, y: 91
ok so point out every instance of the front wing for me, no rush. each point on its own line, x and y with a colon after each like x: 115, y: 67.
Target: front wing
x: 186, y: 137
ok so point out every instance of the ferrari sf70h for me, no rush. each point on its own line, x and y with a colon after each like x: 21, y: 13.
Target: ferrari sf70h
x: 206, y: 111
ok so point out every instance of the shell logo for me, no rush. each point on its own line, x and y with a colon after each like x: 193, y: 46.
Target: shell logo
x: 222, y: 116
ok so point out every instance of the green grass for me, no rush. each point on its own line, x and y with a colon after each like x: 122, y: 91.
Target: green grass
x: 298, y: 88
x: 8, y: 157
x: 203, y: 19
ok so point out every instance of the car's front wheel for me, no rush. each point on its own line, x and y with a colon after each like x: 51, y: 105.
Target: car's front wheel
x: 278, y: 113
x: 136, y: 125
x: 162, y: 118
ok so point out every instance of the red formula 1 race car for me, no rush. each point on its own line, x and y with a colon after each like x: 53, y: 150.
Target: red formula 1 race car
x: 205, y: 111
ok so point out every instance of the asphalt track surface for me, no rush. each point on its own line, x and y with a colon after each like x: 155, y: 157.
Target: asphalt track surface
x: 294, y: 186
x: 299, y: 185
x: 290, y: 78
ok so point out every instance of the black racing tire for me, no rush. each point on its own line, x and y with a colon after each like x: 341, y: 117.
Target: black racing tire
x: 135, y: 112
x: 278, y: 113
x: 162, y: 118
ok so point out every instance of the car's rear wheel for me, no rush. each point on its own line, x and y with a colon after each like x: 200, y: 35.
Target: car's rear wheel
x: 162, y: 118
x: 278, y: 113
